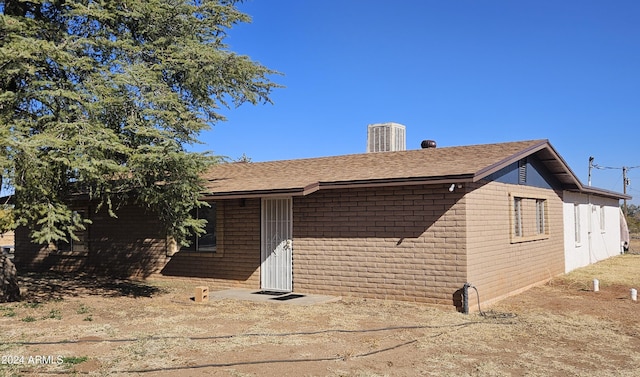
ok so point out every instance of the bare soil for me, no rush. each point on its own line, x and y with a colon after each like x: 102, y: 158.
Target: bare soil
x: 99, y: 327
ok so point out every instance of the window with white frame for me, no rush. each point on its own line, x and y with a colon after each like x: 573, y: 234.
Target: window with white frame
x: 529, y: 218
x: 602, y: 219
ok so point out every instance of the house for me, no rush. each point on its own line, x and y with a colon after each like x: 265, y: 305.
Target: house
x: 410, y: 225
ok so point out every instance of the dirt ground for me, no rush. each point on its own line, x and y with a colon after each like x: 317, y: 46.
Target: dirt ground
x: 88, y: 326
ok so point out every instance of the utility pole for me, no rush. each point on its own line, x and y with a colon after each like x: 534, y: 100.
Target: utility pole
x: 625, y: 180
x: 625, y: 183
x: 590, y: 167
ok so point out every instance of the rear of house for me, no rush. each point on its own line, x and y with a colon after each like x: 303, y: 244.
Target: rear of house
x: 408, y: 225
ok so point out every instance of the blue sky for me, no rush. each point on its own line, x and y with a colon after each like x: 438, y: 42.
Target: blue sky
x: 458, y: 72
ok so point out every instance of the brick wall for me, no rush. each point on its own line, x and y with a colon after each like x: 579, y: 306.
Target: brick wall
x: 237, y: 260
x: 28, y: 256
x: 416, y: 243
x: 403, y: 243
x: 130, y: 245
x: 497, y: 266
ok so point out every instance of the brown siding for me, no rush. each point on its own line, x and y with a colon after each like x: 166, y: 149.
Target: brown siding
x: 496, y: 265
x: 403, y: 243
x: 237, y: 262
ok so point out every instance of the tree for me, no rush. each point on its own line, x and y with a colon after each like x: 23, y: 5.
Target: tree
x: 633, y: 218
x: 100, y: 99
x: 6, y: 219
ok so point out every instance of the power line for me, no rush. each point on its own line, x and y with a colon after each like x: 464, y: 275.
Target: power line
x: 625, y: 180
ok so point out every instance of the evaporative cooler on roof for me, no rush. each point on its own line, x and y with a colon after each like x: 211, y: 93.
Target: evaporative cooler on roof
x: 386, y: 137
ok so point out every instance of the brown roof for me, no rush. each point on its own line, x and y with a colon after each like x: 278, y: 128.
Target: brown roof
x: 303, y: 175
x: 446, y: 165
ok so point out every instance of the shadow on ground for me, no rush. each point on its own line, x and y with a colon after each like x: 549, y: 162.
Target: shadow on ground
x: 36, y: 287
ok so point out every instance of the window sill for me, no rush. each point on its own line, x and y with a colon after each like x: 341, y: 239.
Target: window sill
x: 197, y: 254
x: 538, y: 237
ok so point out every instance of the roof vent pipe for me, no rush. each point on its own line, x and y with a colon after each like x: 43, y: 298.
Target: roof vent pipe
x: 428, y: 144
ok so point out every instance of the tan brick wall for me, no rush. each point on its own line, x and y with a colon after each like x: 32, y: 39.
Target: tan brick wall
x: 403, y: 243
x: 496, y: 265
x: 237, y: 262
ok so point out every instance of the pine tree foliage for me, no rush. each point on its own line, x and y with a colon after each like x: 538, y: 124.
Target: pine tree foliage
x: 99, y: 100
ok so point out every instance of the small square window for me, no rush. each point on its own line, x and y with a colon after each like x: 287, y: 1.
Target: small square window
x: 530, y: 218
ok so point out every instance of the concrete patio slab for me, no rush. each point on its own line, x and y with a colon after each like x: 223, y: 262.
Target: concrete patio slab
x: 275, y: 297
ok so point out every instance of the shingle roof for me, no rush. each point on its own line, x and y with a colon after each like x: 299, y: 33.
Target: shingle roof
x: 303, y: 176
x: 432, y: 165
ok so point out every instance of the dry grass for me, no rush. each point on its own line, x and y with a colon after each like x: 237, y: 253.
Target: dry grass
x: 561, y: 329
x: 634, y: 244
x: 622, y: 270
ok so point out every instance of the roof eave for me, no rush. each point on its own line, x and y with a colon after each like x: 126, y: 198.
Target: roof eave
x: 601, y: 192
x: 313, y: 187
x: 459, y: 178
x: 253, y: 194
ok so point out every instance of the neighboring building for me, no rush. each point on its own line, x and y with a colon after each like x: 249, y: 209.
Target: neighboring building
x: 7, y: 239
x: 592, y: 228
x: 7, y: 243
x: 409, y: 225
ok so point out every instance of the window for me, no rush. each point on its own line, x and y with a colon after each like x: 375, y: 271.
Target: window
x: 517, y: 206
x: 540, y: 216
x: 529, y: 221
x: 576, y: 221
x: 79, y: 245
x: 602, y: 220
x: 207, y: 242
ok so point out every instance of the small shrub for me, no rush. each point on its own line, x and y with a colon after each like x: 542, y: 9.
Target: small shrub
x: 73, y: 360
x: 54, y: 314
x: 28, y: 319
x: 83, y: 309
x: 8, y: 312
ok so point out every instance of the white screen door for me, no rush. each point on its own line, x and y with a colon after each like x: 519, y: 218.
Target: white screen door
x: 276, y: 268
